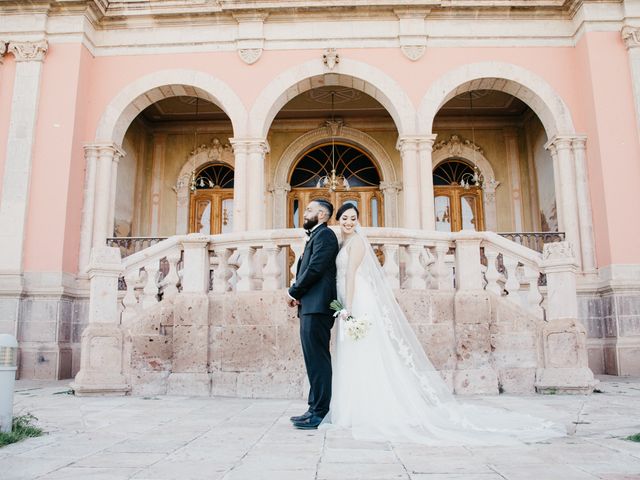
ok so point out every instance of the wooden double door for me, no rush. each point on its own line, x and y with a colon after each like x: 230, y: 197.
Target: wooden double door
x: 458, y: 208
x: 368, y: 200
x: 211, y: 211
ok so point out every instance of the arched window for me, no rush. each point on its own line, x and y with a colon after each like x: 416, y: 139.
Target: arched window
x: 350, y: 162
x: 457, y: 197
x: 215, y: 175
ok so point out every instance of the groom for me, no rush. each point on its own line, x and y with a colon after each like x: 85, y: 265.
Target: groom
x: 312, y: 292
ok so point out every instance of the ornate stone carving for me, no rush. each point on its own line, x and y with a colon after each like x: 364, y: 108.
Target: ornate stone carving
x: 279, y: 188
x: 214, y: 150
x: 250, y: 55
x: 29, y: 51
x: 3, y: 48
x: 489, y: 186
x: 413, y: 52
x: 631, y: 36
x: 391, y: 186
x: 558, y: 251
x: 455, y: 143
x: 334, y: 127
x: 330, y: 58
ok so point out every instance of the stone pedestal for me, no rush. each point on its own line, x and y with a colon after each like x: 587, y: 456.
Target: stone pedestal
x: 101, y: 363
x: 565, y: 363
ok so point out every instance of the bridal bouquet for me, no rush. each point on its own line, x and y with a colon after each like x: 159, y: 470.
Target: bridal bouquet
x: 356, y: 328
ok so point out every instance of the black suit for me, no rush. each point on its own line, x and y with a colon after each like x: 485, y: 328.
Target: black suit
x: 315, y: 288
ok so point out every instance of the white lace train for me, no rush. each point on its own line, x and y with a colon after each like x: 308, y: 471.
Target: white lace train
x: 385, y: 388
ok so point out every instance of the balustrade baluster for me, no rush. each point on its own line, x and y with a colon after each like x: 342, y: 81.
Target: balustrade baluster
x: 534, y: 297
x: 130, y: 301
x: 427, y: 260
x: 221, y: 273
x: 415, y: 272
x: 245, y: 271
x: 150, y: 291
x: 512, y: 284
x: 492, y: 275
x: 297, y: 248
x: 391, y: 267
x: 440, y: 278
x: 170, y: 282
x: 271, y: 271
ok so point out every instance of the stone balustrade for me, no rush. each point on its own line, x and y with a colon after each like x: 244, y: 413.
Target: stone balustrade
x: 266, y: 260
x: 222, y: 326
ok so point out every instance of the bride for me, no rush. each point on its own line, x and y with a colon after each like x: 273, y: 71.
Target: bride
x: 384, y: 386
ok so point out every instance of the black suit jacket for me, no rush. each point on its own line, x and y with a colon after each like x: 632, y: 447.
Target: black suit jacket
x: 315, y: 285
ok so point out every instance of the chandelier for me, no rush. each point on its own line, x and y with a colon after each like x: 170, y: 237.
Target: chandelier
x: 333, y: 181
x: 474, y: 179
x: 194, y: 181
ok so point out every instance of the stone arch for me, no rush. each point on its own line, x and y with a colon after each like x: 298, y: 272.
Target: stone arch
x: 517, y: 81
x: 135, y: 97
x: 450, y: 149
x: 216, y: 151
x: 347, y: 73
x: 380, y: 157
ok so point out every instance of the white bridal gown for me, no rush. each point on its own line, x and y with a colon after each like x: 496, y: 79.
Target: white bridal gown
x: 385, y: 388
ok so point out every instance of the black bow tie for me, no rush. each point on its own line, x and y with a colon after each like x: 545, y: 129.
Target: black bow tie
x: 308, y: 232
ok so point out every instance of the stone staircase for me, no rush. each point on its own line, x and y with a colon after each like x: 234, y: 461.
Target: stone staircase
x: 206, y: 315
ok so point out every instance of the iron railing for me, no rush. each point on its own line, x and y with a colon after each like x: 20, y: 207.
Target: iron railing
x: 533, y: 240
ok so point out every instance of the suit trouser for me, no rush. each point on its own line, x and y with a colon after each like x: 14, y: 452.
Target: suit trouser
x: 315, y: 335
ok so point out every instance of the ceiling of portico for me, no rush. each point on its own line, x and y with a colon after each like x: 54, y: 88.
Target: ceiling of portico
x: 348, y: 103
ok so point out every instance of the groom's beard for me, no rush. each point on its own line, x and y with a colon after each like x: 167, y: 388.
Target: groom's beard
x: 310, y: 223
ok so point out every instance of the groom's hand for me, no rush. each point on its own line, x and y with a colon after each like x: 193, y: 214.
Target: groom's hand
x: 292, y: 302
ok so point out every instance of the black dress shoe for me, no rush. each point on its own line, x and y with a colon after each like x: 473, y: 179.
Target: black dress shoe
x: 302, y: 417
x: 310, y: 423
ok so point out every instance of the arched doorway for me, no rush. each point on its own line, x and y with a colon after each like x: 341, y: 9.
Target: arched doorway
x: 457, y: 198
x: 352, y: 164
x: 211, y: 202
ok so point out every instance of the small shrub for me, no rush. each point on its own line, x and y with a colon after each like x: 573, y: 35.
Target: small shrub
x: 22, y: 427
x: 634, y: 438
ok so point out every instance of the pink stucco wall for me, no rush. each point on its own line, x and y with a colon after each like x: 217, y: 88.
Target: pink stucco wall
x: 7, y: 76
x: 77, y: 88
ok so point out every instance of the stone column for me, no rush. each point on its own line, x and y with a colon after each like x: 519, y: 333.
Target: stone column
x: 515, y: 184
x: 279, y: 194
x: 107, y: 154
x: 157, y: 168
x: 20, y: 141
x: 412, y: 216
x: 556, y: 187
x: 240, y: 184
x: 101, y: 362
x: 587, y: 243
x: 111, y: 221
x: 86, y: 229
x: 631, y: 38
x: 490, y: 211
x: 425, y: 148
x: 256, y: 209
x: 563, y: 336
x: 390, y: 191
x: 191, y: 321
x: 567, y: 183
x: 472, y: 312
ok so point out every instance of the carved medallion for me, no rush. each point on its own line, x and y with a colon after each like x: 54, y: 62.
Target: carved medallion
x: 250, y: 55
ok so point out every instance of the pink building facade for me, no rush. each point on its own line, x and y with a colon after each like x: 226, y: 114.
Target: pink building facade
x: 101, y: 134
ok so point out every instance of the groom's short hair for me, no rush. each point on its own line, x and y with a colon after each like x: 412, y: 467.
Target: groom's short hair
x: 325, y: 205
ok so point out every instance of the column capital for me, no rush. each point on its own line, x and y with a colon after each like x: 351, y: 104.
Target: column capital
x: 29, y: 51
x: 630, y: 36
x: 579, y: 142
x: 250, y: 145
x: 279, y: 187
x: 390, y: 186
x: 407, y: 143
x: 3, y: 48
x: 560, y: 142
x: 103, y: 148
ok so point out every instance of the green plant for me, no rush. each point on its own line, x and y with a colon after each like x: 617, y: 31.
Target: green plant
x: 21, y: 428
x: 634, y: 438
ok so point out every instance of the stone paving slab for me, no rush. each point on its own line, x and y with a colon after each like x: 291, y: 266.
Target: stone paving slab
x: 179, y: 437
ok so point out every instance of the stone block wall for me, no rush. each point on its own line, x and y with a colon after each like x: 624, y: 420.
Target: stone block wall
x: 479, y: 343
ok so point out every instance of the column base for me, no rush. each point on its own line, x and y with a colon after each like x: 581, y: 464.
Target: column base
x: 565, y: 380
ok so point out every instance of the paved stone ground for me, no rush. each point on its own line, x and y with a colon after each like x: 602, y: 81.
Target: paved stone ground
x: 226, y: 438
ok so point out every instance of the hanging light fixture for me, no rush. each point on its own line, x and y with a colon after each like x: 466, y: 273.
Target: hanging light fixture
x: 333, y: 181
x: 476, y: 179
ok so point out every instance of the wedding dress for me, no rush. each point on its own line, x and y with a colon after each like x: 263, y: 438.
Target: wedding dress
x: 385, y: 388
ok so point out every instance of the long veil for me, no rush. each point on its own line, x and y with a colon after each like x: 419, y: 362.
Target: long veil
x: 437, y: 416
x: 400, y: 332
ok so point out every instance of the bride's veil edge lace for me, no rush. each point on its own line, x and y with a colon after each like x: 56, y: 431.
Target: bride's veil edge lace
x: 401, y: 334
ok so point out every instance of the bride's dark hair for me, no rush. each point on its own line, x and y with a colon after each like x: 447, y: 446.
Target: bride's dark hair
x: 344, y: 207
